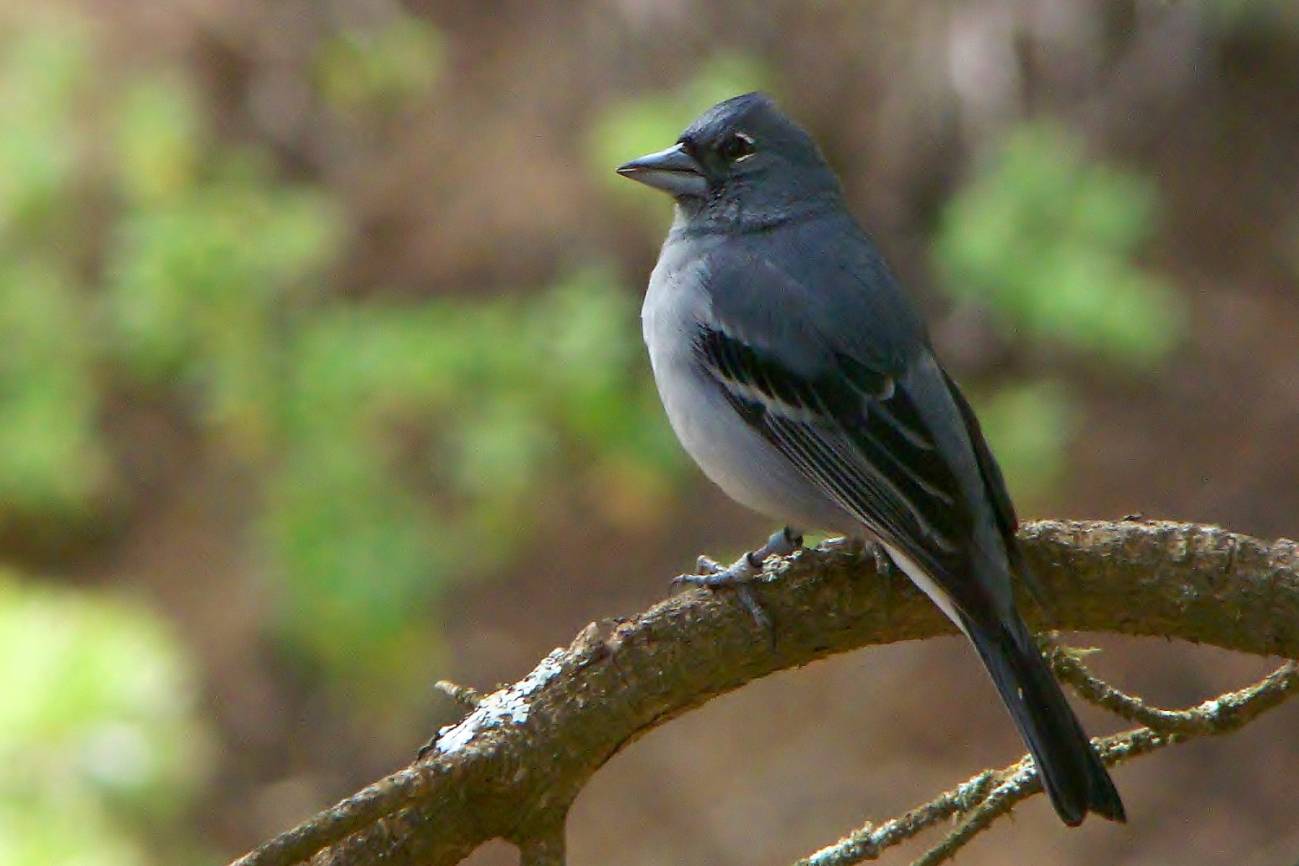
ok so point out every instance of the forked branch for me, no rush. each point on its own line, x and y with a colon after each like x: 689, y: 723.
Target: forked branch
x: 992, y: 794
x: 513, y: 765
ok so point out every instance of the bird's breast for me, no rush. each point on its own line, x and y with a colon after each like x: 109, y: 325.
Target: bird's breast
x: 728, y: 450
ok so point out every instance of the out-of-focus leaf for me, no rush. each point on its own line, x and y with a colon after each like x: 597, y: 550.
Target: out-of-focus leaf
x: 52, y: 462
x: 200, y: 287
x: 103, y: 741
x: 1046, y: 240
x: 40, y: 72
x: 158, y: 140
x: 426, y: 442
x: 383, y: 67
x: 1028, y: 427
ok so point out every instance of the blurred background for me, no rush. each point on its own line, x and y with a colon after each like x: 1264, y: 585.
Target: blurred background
x: 321, y: 379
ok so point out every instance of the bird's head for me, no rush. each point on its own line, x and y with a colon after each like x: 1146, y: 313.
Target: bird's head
x: 741, y: 160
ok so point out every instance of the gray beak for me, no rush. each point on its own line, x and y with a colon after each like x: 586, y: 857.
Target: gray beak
x: 672, y: 170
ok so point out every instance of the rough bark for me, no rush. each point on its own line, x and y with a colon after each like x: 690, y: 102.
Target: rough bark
x: 511, y: 768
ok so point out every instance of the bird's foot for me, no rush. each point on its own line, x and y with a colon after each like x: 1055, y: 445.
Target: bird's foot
x: 748, y: 567
x: 739, y: 574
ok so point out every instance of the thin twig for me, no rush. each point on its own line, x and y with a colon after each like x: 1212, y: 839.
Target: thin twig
x: 1215, y: 716
x: 1223, y: 714
x: 868, y: 842
x: 991, y: 794
x: 467, y: 697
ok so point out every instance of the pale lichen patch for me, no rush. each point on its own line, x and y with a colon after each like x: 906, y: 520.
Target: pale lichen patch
x: 507, y: 705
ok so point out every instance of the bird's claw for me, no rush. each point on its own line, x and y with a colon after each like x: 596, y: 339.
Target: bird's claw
x: 707, y: 565
x: 714, y: 575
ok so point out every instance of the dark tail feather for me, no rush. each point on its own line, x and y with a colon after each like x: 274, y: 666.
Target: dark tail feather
x: 1072, y: 773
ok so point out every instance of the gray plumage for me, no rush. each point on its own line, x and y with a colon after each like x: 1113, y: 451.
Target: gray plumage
x: 798, y: 375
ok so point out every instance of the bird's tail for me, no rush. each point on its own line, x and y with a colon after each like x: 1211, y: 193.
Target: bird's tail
x: 1072, y: 773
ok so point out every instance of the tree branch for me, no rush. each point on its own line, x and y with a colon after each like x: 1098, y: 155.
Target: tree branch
x: 511, y: 767
x: 990, y: 795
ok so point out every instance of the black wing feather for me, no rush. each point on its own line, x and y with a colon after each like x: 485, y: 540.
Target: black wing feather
x: 1002, y: 508
x: 856, y: 432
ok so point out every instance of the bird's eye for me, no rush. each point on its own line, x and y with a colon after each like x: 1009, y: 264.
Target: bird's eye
x: 736, y: 147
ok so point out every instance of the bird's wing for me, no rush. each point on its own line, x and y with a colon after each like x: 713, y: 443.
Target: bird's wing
x: 861, y: 407
x: 1003, y: 509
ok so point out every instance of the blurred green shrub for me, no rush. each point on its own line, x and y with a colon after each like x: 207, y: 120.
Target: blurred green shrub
x: 41, y: 72
x: 52, y: 461
x: 208, y: 260
x: 1046, y: 240
x: 202, y: 288
x: 384, y: 67
x: 98, y: 733
x: 158, y: 141
x: 402, y: 448
x: 1029, y: 425
x: 1268, y: 17
x: 428, y: 441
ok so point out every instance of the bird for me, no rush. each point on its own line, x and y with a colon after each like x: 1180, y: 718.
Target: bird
x: 798, y: 374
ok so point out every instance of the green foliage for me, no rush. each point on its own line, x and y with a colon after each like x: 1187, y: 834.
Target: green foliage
x: 633, y: 127
x: 1028, y: 425
x: 207, y: 257
x: 385, y: 67
x: 98, y: 737
x: 40, y: 75
x: 401, y: 448
x: 52, y: 462
x: 427, y: 442
x: 51, y: 459
x: 1245, y: 16
x: 199, y: 286
x: 1047, y: 240
x: 158, y: 142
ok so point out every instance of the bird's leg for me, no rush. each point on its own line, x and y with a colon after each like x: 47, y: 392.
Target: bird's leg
x: 740, y: 573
